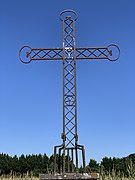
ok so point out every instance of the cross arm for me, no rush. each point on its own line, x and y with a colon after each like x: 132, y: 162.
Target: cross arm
x: 111, y: 52
x: 27, y: 54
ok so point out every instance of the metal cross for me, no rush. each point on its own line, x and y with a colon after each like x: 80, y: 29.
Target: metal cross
x: 69, y: 53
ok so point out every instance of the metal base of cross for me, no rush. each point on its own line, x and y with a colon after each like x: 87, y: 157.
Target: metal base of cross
x: 66, y: 160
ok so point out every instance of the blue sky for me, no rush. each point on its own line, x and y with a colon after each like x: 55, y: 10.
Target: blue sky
x: 31, y: 95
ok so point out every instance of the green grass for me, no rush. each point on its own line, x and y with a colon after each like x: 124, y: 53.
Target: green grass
x: 18, y: 178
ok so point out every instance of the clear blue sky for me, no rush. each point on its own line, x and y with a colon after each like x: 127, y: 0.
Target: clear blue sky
x: 31, y: 95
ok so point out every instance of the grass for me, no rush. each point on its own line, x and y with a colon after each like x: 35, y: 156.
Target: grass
x: 119, y: 176
x: 13, y: 176
x: 18, y: 178
x: 102, y: 175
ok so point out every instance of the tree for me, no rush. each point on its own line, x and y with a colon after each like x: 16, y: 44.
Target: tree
x: 94, y: 166
x: 22, y: 164
x: 45, y: 164
x: 107, y: 163
x: 5, y: 164
x: 14, y: 164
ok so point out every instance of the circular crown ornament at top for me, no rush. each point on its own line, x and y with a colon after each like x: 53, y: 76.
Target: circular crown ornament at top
x: 68, y: 14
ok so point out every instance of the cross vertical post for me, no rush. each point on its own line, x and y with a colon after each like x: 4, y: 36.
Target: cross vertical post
x: 69, y: 54
x: 69, y: 134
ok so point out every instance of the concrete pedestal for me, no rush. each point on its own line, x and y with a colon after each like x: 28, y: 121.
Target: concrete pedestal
x: 68, y: 176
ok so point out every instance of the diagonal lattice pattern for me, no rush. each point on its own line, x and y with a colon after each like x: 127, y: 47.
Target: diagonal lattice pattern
x: 57, y: 53
x: 81, y: 53
x: 46, y: 54
x: 69, y: 84
x: 92, y: 53
x: 69, y: 102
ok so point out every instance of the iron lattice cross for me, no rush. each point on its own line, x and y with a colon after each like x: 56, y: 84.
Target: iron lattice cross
x: 69, y: 53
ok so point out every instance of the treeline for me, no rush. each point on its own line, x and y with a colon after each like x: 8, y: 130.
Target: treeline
x: 114, y: 166
x: 36, y: 164
x: 32, y: 164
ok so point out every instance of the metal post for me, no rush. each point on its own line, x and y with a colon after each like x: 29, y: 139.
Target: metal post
x: 68, y: 161
x: 72, y: 155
